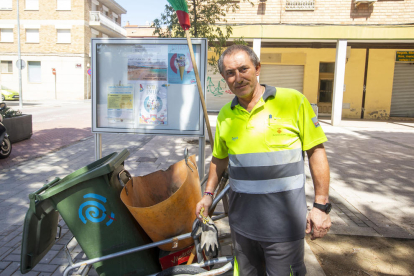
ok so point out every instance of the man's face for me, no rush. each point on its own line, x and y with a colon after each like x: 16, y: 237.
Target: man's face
x: 240, y: 74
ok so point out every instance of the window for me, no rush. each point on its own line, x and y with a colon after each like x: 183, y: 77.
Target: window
x: 63, y: 5
x: 32, y: 5
x: 35, y: 72
x: 6, y: 5
x: 32, y: 35
x: 63, y: 36
x: 6, y: 66
x: 6, y: 35
x: 327, y: 67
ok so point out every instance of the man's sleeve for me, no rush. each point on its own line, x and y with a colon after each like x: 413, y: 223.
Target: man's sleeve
x: 220, y: 150
x: 311, y: 133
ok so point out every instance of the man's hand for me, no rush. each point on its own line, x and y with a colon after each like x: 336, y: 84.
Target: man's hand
x: 205, y: 202
x: 317, y: 223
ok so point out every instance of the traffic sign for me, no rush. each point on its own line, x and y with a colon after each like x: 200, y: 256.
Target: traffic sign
x: 90, y: 71
x: 20, y: 62
x: 54, y: 71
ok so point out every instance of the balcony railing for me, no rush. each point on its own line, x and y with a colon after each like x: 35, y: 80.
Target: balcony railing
x: 97, y: 16
x: 300, y: 5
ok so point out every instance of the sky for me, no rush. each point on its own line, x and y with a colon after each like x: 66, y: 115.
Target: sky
x: 139, y: 12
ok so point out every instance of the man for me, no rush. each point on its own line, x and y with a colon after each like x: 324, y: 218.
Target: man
x: 263, y: 134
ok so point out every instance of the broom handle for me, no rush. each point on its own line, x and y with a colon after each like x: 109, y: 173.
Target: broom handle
x: 200, y: 90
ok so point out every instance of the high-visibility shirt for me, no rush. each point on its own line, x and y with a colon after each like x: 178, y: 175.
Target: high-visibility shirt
x: 266, y: 167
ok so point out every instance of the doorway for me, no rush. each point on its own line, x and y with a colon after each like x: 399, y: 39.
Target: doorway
x: 325, y: 88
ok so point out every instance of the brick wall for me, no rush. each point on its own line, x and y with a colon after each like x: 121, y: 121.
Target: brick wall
x: 326, y: 12
x: 77, y: 17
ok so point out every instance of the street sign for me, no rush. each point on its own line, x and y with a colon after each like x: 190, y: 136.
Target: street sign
x: 20, y: 62
x: 89, y: 71
x: 53, y: 71
x: 404, y: 56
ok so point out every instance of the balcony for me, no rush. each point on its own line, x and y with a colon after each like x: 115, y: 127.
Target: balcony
x: 104, y: 24
x: 300, y: 5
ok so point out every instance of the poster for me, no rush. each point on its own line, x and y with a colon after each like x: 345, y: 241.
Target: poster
x: 148, y: 63
x: 180, y: 67
x: 153, y: 103
x: 121, y: 103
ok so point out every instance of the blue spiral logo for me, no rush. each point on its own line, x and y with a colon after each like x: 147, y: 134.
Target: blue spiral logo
x: 95, y: 211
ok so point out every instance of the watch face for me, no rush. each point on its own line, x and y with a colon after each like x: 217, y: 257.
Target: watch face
x: 328, y: 207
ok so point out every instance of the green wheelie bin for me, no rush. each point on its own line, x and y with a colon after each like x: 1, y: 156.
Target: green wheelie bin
x: 89, y: 202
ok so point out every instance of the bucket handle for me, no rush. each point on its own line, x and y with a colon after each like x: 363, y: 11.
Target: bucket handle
x: 33, y: 196
x: 120, y: 180
x: 186, y: 157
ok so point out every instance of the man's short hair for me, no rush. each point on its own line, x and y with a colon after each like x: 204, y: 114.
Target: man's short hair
x: 236, y: 48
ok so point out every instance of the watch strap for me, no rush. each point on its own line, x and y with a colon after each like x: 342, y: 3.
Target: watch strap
x: 323, y: 207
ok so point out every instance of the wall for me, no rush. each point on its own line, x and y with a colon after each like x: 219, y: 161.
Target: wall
x: 379, y: 83
x: 311, y: 58
x: 69, y: 79
x: 326, y: 12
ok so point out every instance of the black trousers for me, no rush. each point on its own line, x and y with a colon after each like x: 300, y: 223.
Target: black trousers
x: 256, y: 258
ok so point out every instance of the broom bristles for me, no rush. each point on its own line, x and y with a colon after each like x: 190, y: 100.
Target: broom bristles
x: 179, y: 5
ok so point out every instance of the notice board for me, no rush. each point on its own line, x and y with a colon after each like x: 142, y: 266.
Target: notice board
x: 147, y: 86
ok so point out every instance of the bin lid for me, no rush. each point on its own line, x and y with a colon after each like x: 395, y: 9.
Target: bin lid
x: 103, y: 166
x: 39, y: 234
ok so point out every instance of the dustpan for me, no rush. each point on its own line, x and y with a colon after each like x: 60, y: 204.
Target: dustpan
x: 164, y: 202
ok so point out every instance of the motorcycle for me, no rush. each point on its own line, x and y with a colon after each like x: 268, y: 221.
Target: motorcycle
x: 5, y: 146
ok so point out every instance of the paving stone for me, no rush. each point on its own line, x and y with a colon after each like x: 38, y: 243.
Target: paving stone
x: 14, y: 241
x: 45, y: 268
x: 13, y: 267
x: 49, y: 256
x: 57, y: 247
x: 44, y: 274
x: 17, y: 251
x: 5, y: 251
x: 59, y: 271
x: 30, y: 273
x: 12, y: 258
x: 3, y: 265
x: 59, y: 261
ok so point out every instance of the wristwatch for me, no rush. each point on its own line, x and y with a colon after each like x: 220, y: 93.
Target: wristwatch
x: 326, y: 208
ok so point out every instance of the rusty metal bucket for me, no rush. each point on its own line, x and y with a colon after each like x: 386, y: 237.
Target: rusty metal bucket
x: 164, y: 202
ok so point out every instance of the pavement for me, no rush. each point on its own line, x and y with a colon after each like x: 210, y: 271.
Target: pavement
x: 371, y: 188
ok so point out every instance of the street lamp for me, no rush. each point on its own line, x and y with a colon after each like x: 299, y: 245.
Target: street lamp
x: 19, y: 61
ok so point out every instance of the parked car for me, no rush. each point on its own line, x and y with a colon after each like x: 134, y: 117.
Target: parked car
x: 9, y: 95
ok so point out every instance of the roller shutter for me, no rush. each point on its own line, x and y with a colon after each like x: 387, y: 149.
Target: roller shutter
x: 218, y: 93
x: 287, y: 76
x: 402, y: 102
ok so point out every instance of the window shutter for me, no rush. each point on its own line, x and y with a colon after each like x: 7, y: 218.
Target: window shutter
x: 6, y: 4
x: 64, y: 5
x: 7, y: 35
x: 63, y: 36
x: 32, y: 5
x: 35, y: 72
x: 32, y: 35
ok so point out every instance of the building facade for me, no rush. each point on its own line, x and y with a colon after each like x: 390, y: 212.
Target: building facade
x: 55, y: 44
x: 298, y: 46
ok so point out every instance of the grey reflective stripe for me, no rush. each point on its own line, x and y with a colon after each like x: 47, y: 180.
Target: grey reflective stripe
x: 267, y: 186
x: 267, y: 172
x: 265, y: 158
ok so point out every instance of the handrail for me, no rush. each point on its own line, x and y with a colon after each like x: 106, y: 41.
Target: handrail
x: 97, y: 16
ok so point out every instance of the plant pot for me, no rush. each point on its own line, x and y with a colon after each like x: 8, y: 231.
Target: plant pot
x: 19, y: 128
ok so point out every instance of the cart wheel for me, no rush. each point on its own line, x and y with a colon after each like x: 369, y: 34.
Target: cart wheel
x: 182, y: 270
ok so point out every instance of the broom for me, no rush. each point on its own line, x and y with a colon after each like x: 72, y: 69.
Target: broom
x: 180, y: 7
